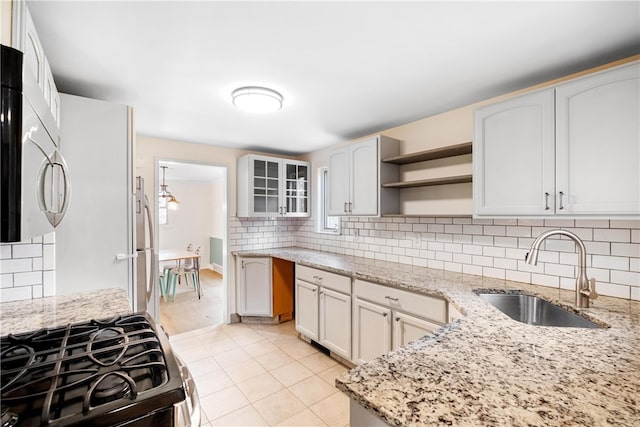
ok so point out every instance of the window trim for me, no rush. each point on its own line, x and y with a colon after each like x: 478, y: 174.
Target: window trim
x: 322, y: 190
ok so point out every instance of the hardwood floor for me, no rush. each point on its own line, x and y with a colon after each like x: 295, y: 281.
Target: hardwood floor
x: 187, y: 313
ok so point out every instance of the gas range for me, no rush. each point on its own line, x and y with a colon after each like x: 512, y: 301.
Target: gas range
x: 108, y: 372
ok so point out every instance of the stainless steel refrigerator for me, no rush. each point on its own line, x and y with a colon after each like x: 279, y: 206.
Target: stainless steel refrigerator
x: 97, y: 245
x: 145, y: 254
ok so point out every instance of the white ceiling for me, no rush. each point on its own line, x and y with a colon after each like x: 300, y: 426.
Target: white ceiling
x: 346, y: 69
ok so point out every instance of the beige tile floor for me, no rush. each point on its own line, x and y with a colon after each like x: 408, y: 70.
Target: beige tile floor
x: 262, y: 375
x: 187, y: 312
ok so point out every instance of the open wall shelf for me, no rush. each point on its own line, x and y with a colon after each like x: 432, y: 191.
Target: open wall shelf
x: 436, y: 153
x: 430, y: 182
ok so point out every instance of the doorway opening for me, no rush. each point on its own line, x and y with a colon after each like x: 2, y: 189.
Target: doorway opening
x: 192, y: 238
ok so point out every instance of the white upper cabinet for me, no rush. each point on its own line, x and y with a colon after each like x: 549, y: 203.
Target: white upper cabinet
x: 569, y: 150
x: 39, y: 86
x: 355, y: 176
x: 598, y: 144
x: 271, y: 186
x: 513, y: 156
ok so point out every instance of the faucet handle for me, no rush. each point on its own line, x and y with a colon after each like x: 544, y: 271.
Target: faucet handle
x: 590, y: 292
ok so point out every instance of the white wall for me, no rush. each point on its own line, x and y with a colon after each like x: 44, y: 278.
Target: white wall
x: 193, y: 222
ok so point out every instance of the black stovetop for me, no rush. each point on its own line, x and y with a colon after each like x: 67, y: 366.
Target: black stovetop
x: 100, y: 372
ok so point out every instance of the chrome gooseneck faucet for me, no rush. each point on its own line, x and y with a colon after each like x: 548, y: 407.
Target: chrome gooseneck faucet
x: 585, y: 287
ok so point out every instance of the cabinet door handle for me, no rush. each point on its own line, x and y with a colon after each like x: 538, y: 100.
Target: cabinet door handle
x: 242, y: 263
x: 391, y: 299
x: 561, y: 194
x: 350, y: 207
x: 345, y: 207
x: 546, y: 201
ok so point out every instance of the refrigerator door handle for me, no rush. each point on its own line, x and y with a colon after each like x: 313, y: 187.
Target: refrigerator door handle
x: 153, y: 272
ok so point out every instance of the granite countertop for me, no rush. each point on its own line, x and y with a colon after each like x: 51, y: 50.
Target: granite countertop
x: 50, y: 312
x: 487, y: 369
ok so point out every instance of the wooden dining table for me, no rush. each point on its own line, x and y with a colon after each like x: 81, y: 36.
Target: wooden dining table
x: 178, y: 256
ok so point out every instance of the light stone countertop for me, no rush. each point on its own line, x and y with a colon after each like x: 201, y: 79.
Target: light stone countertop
x: 50, y: 312
x: 487, y: 369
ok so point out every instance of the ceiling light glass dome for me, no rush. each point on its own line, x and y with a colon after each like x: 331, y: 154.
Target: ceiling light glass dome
x: 255, y: 99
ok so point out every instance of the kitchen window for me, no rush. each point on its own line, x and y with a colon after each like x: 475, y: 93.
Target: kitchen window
x: 325, y: 223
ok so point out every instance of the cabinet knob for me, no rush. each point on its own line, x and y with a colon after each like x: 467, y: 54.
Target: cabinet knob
x: 397, y: 319
x: 384, y: 314
x: 391, y: 298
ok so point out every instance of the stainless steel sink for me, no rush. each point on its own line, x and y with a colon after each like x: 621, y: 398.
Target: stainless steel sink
x: 536, y: 311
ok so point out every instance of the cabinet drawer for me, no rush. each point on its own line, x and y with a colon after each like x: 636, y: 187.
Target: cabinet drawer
x: 324, y: 278
x: 409, y: 302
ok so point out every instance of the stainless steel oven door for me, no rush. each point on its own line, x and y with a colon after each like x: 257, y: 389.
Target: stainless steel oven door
x: 187, y: 413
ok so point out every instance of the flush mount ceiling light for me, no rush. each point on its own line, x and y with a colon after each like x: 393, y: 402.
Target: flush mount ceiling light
x: 255, y: 99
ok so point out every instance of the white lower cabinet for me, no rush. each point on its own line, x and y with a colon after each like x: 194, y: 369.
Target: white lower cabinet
x: 407, y: 328
x: 323, y: 308
x: 387, y: 318
x: 254, y: 286
x: 371, y: 330
x: 335, y: 322
x: 307, y: 309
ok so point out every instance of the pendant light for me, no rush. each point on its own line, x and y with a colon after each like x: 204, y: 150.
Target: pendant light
x: 172, y: 203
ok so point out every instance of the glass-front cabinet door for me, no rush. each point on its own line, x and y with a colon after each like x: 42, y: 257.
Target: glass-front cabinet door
x: 296, y: 188
x: 272, y: 186
x: 266, y: 186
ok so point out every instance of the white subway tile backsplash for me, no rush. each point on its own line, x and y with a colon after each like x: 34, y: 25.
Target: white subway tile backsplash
x: 5, y: 251
x: 484, y: 261
x: 600, y: 274
x: 472, y: 269
x: 554, y: 222
x: 493, y: 251
x: 552, y: 244
x: 462, y: 258
x: 472, y: 229
x: 598, y: 248
x: 472, y: 249
x: 483, y: 240
x: 626, y: 249
x: 635, y: 293
x: 549, y: 256
x: 453, y: 229
x: 545, y: 280
x: 625, y: 223
x: 610, y: 262
x: 462, y: 220
x: 518, y: 276
x: 37, y: 264
x: 6, y: 280
x: 15, y: 294
x: 560, y: 270
x: 531, y: 222
x: 15, y: 265
x: 494, y: 230
x: 634, y: 264
x: 592, y: 223
x: 453, y: 266
x: 496, y: 273
x: 625, y: 278
x: 48, y: 283
x: 612, y: 235
x: 613, y: 290
x: 505, y: 263
x: 518, y: 231
x: 500, y: 221
x: 635, y: 236
x: 506, y: 242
